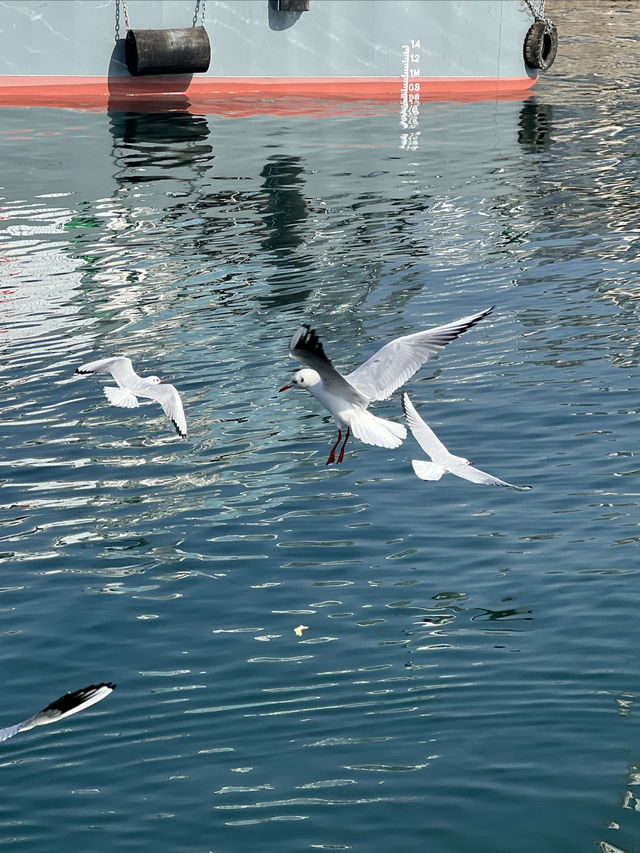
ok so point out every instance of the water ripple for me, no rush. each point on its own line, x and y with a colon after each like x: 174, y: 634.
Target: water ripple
x: 457, y: 656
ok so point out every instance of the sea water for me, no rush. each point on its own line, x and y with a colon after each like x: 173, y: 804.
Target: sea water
x: 465, y: 669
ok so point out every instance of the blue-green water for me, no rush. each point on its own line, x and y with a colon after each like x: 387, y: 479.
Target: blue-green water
x: 469, y: 671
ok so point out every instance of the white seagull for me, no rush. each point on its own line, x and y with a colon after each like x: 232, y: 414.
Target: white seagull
x: 443, y: 462
x: 66, y: 705
x: 131, y: 386
x: 347, y: 397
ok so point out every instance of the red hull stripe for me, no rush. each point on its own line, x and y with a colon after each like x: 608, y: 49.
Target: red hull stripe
x: 97, y: 93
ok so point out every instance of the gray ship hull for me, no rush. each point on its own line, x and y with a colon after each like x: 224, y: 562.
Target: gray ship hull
x: 72, y: 52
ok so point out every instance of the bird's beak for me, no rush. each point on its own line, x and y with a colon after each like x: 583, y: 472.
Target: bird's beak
x: 285, y: 388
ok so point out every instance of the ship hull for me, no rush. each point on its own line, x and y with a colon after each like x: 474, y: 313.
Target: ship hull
x: 72, y: 52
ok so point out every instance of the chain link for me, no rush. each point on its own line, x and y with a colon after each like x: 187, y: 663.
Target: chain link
x: 199, y: 9
x: 200, y: 4
x: 538, y: 14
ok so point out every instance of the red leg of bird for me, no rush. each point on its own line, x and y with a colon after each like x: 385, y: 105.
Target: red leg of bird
x: 332, y: 455
x: 346, y: 439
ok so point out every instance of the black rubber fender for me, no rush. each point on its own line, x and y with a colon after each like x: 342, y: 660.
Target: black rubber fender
x: 177, y: 51
x: 541, y: 45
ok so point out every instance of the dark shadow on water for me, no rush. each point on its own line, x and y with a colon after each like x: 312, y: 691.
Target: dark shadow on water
x: 284, y: 209
x: 534, y: 126
x: 285, y: 205
x: 152, y: 146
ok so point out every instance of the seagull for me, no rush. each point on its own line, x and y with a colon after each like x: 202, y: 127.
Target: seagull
x: 443, y: 461
x: 66, y: 705
x: 131, y: 386
x: 347, y: 397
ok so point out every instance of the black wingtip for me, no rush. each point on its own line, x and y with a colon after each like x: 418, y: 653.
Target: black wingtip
x: 484, y: 313
x: 178, y: 430
x: 309, y: 342
x: 69, y: 701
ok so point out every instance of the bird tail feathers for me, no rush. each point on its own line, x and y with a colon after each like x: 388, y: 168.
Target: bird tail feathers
x: 374, y: 430
x: 427, y: 470
x: 120, y: 397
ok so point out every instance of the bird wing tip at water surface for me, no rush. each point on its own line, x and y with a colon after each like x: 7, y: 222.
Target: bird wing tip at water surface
x: 64, y: 706
x: 71, y: 703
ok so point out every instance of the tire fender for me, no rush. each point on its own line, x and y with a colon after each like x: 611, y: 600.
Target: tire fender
x: 541, y: 45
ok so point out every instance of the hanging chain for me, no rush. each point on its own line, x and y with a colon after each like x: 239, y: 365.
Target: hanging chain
x: 126, y: 15
x: 538, y: 14
x: 200, y: 4
x: 199, y: 9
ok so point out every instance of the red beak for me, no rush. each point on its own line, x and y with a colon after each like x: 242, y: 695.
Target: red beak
x: 285, y: 388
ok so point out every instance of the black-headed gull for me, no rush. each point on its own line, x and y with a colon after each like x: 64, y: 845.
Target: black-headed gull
x: 66, y: 705
x: 443, y: 462
x: 131, y: 386
x: 347, y: 397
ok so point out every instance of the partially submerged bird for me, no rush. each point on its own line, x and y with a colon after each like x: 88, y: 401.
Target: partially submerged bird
x: 66, y: 705
x: 347, y: 397
x: 443, y: 462
x: 131, y: 386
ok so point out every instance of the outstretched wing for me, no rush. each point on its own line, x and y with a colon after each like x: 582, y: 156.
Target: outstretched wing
x: 118, y: 366
x: 66, y: 705
x: 469, y: 472
x: 69, y: 704
x: 398, y: 360
x: 422, y: 432
x: 10, y: 731
x: 169, y: 398
x: 306, y: 347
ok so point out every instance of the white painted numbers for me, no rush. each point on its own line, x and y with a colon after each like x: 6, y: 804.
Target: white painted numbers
x: 410, y: 94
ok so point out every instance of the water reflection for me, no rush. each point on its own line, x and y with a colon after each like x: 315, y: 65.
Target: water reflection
x: 164, y: 142
x: 197, y: 245
x: 286, y: 205
x: 536, y: 124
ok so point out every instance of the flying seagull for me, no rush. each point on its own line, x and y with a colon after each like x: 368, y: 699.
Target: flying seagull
x: 131, y: 386
x: 66, y: 705
x: 347, y: 397
x: 443, y: 462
